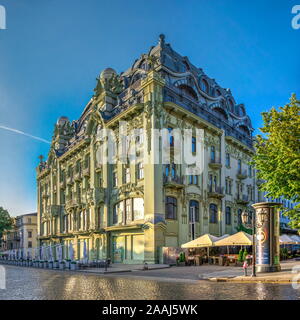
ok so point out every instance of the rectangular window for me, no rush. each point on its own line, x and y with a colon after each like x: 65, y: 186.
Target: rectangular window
x: 171, y: 137
x: 118, y: 212
x: 127, y: 175
x: 212, y: 154
x: 228, y: 216
x: 140, y: 172
x: 29, y: 234
x: 128, y: 210
x: 193, y: 144
x: 250, y: 171
x: 171, y: 208
x: 196, y: 180
x: 115, y: 179
x: 210, y: 182
x: 227, y: 160
x: 29, y: 244
x: 138, y: 208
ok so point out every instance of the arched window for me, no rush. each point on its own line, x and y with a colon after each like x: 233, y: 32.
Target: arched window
x: 171, y: 208
x: 194, y: 211
x: 239, y: 165
x: 213, y: 213
x: 228, y: 215
x: 204, y: 86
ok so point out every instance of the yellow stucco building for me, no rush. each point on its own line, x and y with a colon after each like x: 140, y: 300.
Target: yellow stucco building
x: 128, y: 210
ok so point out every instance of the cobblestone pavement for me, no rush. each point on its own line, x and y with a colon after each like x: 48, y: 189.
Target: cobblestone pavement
x: 31, y: 283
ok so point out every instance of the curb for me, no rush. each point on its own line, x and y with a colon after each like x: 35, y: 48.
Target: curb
x: 283, y: 281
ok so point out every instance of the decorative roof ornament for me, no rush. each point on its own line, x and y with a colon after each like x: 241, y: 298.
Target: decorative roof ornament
x: 161, y: 41
x: 109, y: 81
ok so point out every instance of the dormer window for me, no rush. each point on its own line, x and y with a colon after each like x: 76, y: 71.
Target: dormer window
x: 204, y: 86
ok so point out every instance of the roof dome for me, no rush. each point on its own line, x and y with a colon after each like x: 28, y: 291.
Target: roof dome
x: 62, y: 120
x: 107, y: 74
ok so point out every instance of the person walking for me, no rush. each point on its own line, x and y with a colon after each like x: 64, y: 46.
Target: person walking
x: 245, y: 266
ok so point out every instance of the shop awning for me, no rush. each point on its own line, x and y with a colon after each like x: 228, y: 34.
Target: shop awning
x: 285, y: 239
x: 295, y: 238
x: 238, y: 239
x: 207, y: 240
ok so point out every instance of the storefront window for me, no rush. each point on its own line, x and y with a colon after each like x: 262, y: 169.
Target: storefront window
x: 138, y: 208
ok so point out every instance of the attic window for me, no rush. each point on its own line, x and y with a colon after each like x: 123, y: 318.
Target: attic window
x: 188, y: 91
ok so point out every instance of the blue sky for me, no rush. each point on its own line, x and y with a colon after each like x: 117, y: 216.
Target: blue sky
x: 52, y: 51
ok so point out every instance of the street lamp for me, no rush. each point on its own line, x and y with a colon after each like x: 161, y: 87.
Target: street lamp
x: 246, y: 217
x: 250, y: 219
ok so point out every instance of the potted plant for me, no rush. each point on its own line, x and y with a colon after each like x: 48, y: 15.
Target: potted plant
x: 62, y: 265
x: 74, y: 265
x: 55, y: 264
x: 68, y: 264
x: 181, y: 259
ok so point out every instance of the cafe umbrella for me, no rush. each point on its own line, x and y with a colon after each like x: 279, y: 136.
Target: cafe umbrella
x: 205, y: 241
x: 238, y: 239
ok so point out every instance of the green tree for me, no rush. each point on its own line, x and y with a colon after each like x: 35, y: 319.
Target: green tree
x: 241, y: 255
x: 277, y: 156
x: 5, y: 221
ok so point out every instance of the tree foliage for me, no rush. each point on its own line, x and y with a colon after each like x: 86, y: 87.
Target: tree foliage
x: 277, y: 156
x: 5, y: 221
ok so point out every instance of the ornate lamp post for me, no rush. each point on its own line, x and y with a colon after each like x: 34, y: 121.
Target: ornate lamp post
x: 267, y: 236
x: 246, y: 217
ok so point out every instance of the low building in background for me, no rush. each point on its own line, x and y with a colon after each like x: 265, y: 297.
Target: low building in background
x: 23, y: 234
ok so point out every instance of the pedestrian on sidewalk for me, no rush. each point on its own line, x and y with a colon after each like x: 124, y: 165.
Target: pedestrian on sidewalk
x: 245, y: 266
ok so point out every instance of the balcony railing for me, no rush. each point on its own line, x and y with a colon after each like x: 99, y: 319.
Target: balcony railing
x: 241, y: 174
x: 215, y: 191
x: 242, y: 199
x: 173, y: 180
x: 215, y: 163
x: 86, y: 171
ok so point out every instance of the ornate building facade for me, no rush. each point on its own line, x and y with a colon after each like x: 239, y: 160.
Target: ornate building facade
x: 129, y: 211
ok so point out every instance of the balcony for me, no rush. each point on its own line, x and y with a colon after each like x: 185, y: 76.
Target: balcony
x: 241, y: 174
x: 215, y: 192
x: 242, y: 199
x: 259, y: 182
x: 70, y: 180
x: 62, y: 184
x: 72, y: 203
x: 86, y: 172
x: 173, y: 181
x: 215, y: 164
